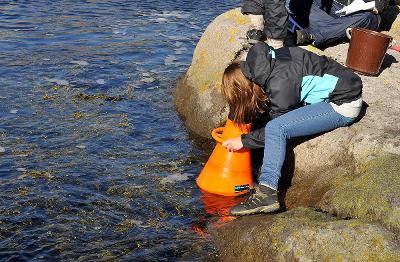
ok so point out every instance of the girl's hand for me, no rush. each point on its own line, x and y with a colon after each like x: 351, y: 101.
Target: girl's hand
x: 233, y: 144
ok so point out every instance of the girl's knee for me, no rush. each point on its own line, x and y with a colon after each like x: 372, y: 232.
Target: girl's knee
x: 274, y: 126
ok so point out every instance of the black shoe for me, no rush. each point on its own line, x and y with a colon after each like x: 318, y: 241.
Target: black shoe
x: 253, y: 36
x: 303, y: 37
x: 262, y: 200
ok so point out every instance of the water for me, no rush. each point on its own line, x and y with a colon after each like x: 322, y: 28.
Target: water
x: 95, y: 164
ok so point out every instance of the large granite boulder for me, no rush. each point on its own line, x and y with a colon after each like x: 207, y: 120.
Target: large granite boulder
x: 197, y: 97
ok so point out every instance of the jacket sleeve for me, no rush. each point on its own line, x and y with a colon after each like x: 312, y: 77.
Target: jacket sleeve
x: 254, y: 7
x: 254, y: 139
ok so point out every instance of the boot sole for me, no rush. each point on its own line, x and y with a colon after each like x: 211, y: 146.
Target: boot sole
x: 262, y: 209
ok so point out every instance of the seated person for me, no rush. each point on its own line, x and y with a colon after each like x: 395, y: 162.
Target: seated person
x: 325, y: 21
x: 303, y: 93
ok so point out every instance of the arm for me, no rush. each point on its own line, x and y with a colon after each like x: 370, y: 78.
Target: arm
x: 252, y: 140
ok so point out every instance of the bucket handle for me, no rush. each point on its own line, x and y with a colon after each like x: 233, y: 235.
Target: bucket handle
x: 393, y: 43
x: 348, y: 32
x: 217, y: 134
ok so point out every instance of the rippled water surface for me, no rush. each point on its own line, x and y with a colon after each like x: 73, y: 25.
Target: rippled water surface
x: 95, y: 165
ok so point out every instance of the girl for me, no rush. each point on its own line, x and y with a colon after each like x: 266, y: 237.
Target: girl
x: 303, y: 93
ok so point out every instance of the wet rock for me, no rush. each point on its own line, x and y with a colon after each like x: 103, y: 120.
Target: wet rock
x: 304, y: 235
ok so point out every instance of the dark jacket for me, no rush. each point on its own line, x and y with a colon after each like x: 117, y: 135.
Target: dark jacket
x: 291, y: 77
x: 275, y: 15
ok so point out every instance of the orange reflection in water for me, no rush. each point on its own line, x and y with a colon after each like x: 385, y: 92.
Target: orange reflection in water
x: 218, y: 207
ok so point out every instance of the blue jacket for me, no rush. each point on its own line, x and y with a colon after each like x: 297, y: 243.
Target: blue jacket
x: 292, y: 77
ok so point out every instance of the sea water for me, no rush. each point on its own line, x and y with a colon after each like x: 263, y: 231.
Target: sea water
x: 95, y: 164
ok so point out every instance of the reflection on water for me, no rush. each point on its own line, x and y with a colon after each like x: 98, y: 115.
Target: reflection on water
x: 94, y: 162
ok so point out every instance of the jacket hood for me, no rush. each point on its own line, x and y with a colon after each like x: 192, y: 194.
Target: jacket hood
x: 259, y: 63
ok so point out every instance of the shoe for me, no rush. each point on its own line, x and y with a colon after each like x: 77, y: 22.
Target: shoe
x: 254, y: 36
x: 303, y: 37
x: 262, y: 199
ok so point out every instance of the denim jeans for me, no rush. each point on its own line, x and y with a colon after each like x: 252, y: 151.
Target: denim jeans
x: 304, y: 121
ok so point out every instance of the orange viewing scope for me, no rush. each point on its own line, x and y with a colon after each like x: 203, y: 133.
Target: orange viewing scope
x: 227, y: 173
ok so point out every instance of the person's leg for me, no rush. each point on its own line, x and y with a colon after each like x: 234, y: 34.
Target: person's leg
x: 317, y: 20
x: 276, y: 19
x: 304, y: 121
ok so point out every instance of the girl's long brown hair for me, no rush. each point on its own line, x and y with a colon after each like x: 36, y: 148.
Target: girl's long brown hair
x: 245, y: 98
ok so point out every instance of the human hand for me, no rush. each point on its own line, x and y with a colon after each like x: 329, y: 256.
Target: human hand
x: 357, y: 5
x: 233, y: 144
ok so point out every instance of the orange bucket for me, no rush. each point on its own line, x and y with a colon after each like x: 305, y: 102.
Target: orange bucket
x: 227, y: 173
x: 367, y: 50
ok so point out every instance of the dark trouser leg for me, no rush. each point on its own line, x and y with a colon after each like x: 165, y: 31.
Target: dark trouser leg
x: 276, y: 19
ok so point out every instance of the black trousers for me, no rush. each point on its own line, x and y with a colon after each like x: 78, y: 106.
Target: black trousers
x: 275, y: 16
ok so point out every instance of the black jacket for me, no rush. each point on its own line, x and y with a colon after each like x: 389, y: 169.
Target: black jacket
x: 284, y: 77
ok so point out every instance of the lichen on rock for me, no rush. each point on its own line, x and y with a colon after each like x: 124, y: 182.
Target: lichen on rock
x: 303, y: 234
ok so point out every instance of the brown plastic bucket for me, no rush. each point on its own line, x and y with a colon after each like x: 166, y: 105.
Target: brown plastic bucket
x: 367, y: 50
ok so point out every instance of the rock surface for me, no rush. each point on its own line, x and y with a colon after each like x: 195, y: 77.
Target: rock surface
x: 305, y: 235
x: 198, y: 97
x: 351, y: 173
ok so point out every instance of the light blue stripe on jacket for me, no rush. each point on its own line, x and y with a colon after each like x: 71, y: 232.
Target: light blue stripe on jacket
x: 316, y: 89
